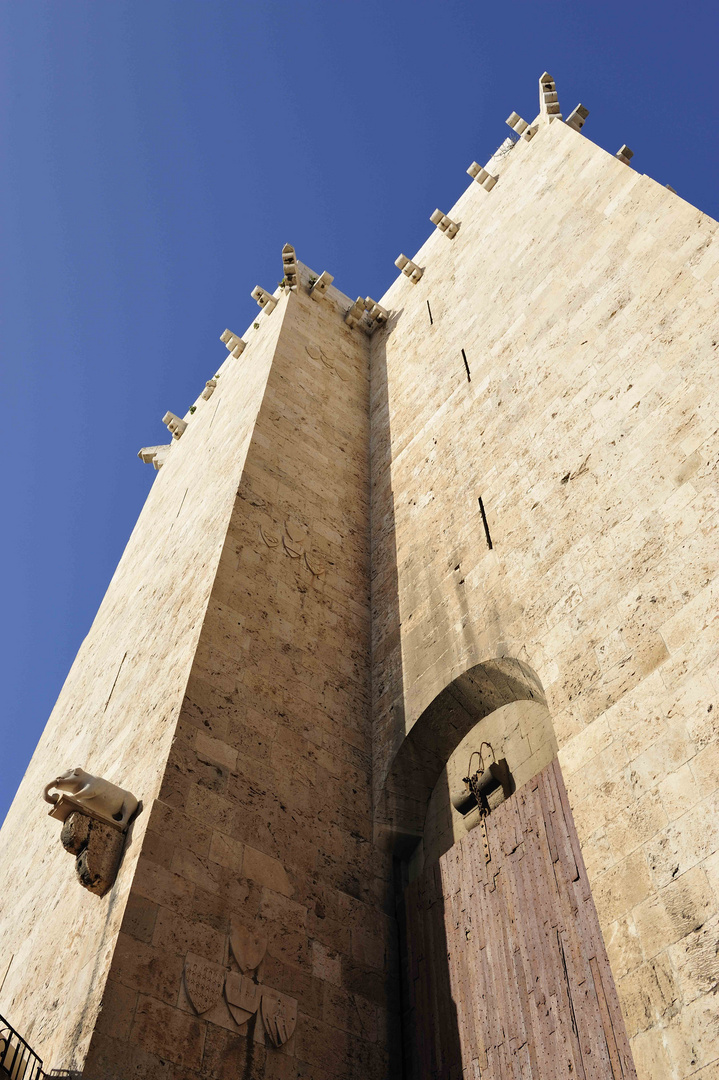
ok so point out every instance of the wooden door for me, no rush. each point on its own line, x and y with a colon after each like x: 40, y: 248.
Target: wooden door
x: 506, y: 974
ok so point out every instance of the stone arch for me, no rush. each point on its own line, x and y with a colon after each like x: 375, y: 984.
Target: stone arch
x: 477, y: 954
x: 437, y: 732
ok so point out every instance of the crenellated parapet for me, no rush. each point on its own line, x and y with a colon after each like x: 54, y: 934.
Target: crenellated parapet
x: 444, y: 224
x: 289, y: 267
x: 577, y: 117
x: 320, y: 285
x: 521, y: 127
x: 482, y: 176
x: 235, y: 345
x: 548, y: 99
x: 408, y: 268
x: 365, y: 313
x: 264, y: 299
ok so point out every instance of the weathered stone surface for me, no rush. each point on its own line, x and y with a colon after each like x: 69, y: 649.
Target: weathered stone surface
x: 649, y: 995
x: 168, y: 1033
x: 623, y: 945
x: 98, y: 848
x: 588, y: 430
x: 75, y: 833
x: 121, y: 702
x: 229, y: 665
x: 265, y: 812
x: 695, y: 959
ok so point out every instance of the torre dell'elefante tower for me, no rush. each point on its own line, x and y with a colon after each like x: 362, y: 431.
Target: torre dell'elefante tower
x: 392, y: 750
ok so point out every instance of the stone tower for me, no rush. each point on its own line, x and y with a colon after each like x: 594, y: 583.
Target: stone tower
x: 469, y: 531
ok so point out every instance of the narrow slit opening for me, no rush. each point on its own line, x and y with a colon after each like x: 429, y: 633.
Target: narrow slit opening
x: 466, y: 366
x: 429, y: 312
x: 114, y: 683
x: 484, y: 522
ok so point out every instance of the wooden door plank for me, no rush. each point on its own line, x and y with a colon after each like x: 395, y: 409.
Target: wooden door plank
x: 507, y: 974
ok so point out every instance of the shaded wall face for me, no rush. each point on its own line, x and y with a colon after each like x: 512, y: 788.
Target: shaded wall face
x: 522, y: 734
x: 117, y: 713
x: 264, y: 816
x: 584, y: 297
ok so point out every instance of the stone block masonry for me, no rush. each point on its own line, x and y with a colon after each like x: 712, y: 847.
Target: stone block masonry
x: 117, y: 714
x: 264, y: 816
x: 508, y: 463
x: 584, y: 297
x: 260, y: 818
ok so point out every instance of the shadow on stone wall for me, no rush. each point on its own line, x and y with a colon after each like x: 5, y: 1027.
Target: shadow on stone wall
x: 400, y: 811
x: 399, y: 824
x: 388, y: 728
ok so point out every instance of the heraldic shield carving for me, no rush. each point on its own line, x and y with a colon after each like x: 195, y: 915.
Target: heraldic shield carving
x: 248, y: 948
x: 242, y: 996
x: 279, y: 1016
x: 203, y: 982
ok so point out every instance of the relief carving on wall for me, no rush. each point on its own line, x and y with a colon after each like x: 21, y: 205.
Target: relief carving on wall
x: 317, y: 353
x: 245, y: 996
x: 96, y: 815
x: 242, y: 995
x: 294, y: 538
x: 279, y: 1016
x: 269, y: 539
x: 203, y: 982
x: 248, y: 947
x: 83, y: 791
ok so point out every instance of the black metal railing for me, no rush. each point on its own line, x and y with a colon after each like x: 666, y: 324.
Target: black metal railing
x: 17, y: 1060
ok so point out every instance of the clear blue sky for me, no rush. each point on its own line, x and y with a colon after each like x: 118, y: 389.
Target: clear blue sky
x: 157, y: 154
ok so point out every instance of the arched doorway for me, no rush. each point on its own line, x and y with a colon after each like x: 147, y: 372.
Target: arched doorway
x: 504, y: 970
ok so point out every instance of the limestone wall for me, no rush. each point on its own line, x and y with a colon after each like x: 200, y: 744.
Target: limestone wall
x: 264, y: 815
x: 584, y: 296
x: 117, y: 714
x: 557, y: 359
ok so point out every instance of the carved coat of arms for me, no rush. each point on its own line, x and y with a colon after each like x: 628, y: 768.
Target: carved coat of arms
x: 294, y: 541
x: 279, y: 1015
x: 248, y: 947
x: 203, y: 982
x: 242, y: 995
